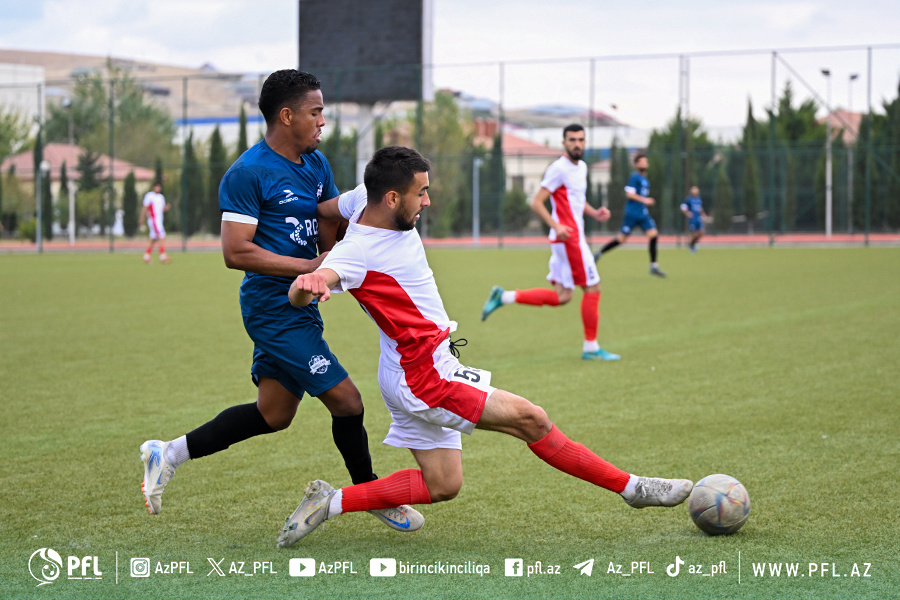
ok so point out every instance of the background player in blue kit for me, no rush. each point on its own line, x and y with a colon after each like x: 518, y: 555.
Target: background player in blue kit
x: 269, y: 199
x: 692, y: 207
x: 637, y: 190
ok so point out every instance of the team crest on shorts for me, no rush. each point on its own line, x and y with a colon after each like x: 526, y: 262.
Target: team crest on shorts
x: 318, y: 364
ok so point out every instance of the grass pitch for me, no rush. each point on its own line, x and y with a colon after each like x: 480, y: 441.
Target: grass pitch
x: 776, y: 366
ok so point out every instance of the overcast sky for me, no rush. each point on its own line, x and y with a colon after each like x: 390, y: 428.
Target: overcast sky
x: 260, y: 36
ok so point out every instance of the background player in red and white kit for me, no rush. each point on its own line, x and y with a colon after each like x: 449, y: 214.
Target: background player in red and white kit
x: 571, y: 261
x: 431, y: 396
x: 152, y: 212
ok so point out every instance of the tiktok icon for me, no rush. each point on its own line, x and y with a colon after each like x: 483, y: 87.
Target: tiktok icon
x: 673, y: 569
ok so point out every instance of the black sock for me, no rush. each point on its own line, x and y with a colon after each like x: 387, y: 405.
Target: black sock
x: 352, y: 442
x: 609, y: 246
x: 653, y: 249
x: 230, y: 426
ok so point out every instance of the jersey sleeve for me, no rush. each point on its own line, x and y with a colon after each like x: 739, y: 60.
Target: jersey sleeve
x: 352, y: 201
x: 147, y: 200
x: 634, y: 184
x: 552, y: 178
x: 348, y: 260
x: 240, y: 193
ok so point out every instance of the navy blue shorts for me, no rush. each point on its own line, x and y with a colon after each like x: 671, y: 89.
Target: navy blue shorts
x: 289, y: 347
x: 640, y: 219
x: 696, y: 224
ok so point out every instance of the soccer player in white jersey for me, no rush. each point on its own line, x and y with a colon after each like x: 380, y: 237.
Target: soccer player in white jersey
x: 152, y: 213
x: 571, y: 261
x: 431, y: 396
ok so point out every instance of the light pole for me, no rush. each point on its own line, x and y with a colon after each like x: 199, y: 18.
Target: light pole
x: 828, y: 183
x: 476, y: 200
x: 67, y: 104
x: 853, y: 77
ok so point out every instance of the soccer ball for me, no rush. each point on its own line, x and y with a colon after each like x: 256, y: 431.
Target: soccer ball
x: 719, y: 504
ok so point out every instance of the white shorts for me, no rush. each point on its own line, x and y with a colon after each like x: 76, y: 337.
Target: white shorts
x: 431, y: 404
x: 572, y: 264
x: 157, y: 231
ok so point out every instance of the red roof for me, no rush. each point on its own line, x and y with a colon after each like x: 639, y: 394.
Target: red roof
x: 56, y: 154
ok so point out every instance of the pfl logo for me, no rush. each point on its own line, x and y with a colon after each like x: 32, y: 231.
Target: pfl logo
x: 45, y: 565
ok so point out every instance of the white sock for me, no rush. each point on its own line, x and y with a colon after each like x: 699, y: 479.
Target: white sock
x: 177, y: 452
x: 628, y: 492
x: 591, y: 346
x: 654, y: 265
x: 336, y: 506
x: 508, y: 297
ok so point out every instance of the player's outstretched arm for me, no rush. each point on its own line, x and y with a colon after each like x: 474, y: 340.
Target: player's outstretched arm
x: 310, y: 286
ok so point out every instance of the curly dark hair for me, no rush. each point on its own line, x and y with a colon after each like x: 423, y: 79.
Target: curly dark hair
x: 283, y: 88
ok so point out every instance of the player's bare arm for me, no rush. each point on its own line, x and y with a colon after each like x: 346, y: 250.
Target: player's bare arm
x: 332, y: 224
x: 310, y: 286
x: 243, y: 255
x: 600, y: 214
x: 642, y: 199
x: 539, y: 207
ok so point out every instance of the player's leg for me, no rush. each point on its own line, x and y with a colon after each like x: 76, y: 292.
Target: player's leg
x: 344, y: 402
x: 163, y: 257
x: 148, y: 253
x: 516, y: 416
x: 590, y: 320
x: 273, y: 410
x: 652, y: 241
x: 389, y: 497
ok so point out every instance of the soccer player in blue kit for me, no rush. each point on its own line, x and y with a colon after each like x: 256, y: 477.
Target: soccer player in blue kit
x: 692, y: 207
x: 637, y: 190
x: 269, y: 199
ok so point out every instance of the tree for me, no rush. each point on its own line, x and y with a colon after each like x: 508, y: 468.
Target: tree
x: 14, y: 133
x: 619, y: 171
x: 44, y: 198
x: 196, y: 193
x: 340, y: 150
x: 750, y: 181
x: 130, y: 205
x: 723, y: 201
x: 89, y: 194
x: 242, y: 133
x: 62, y: 200
x: 449, y: 147
x: 218, y: 165
x: 143, y: 129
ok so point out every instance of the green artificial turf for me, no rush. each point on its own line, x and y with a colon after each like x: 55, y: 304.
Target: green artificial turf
x: 776, y: 366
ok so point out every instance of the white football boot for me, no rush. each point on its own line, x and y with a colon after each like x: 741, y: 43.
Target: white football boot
x: 653, y: 491
x: 401, y: 518
x: 157, y: 473
x: 311, y: 513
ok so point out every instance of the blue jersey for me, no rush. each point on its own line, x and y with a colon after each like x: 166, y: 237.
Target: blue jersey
x: 281, y: 198
x: 637, y: 184
x: 693, y: 204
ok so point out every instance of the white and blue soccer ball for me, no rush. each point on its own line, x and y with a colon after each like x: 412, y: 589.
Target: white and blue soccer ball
x: 719, y: 504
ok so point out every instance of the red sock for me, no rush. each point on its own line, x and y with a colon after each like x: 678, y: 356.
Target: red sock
x: 537, y: 297
x: 149, y: 249
x: 162, y: 249
x: 590, y: 315
x: 402, y: 487
x: 573, y: 458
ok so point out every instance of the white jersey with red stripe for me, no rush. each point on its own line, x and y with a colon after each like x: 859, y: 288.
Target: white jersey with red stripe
x: 387, y: 272
x: 567, y: 183
x: 430, y: 395
x: 155, y: 204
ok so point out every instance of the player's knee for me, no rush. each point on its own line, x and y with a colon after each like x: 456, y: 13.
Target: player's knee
x: 278, y: 420
x: 564, y: 296
x: 445, y: 488
x: 533, y: 421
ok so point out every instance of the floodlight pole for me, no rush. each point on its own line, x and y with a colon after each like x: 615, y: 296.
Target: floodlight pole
x: 67, y: 104
x: 853, y: 77
x: 828, y: 181
x: 476, y: 200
